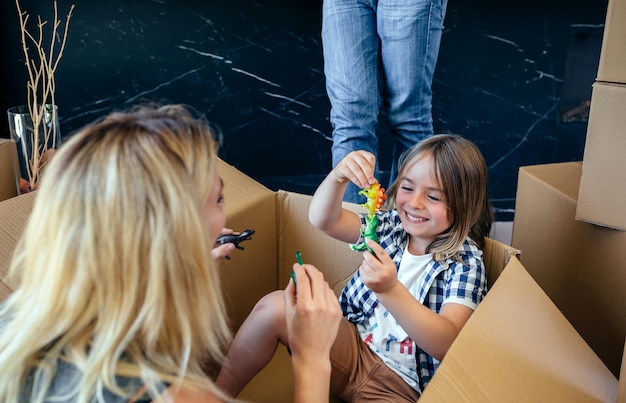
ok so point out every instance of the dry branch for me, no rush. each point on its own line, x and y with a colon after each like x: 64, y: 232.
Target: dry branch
x: 41, y: 67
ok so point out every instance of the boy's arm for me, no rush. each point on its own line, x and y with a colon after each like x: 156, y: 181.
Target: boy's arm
x: 326, y: 212
x: 433, y: 332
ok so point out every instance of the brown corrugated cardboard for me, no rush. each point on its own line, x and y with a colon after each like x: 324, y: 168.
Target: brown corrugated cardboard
x: 579, y: 265
x: 275, y: 382
x: 613, y: 53
x: 335, y: 258
x: 282, y: 227
x: 296, y: 233
x: 8, y: 165
x: 603, y: 183
x: 245, y: 279
x: 14, y: 213
x: 250, y: 273
x: 518, y: 347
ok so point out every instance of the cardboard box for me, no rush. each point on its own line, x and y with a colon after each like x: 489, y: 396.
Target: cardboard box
x: 292, y: 232
x: 14, y: 213
x: 518, y: 347
x: 613, y: 53
x: 280, y: 220
x: 603, y: 183
x: 579, y: 265
x: 8, y: 169
x: 281, y: 223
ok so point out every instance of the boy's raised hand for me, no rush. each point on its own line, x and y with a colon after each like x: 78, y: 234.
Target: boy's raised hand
x: 357, y: 167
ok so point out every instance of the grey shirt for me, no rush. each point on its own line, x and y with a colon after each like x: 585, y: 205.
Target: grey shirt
x: 67, y: 377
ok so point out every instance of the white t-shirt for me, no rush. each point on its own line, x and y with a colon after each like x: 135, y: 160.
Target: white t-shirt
x: 383, y: 334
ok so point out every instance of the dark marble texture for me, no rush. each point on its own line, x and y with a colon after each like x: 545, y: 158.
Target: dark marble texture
x: 255, y: 69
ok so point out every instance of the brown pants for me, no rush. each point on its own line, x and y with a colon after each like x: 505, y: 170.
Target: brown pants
x: 359, y: 375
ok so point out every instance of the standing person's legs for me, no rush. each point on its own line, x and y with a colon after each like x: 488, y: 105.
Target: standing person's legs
x: 359, y: 375
x: 351, y: 66
x: 410, y: 32
x: 254, y: 344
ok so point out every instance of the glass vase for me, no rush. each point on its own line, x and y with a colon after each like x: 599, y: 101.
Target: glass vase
x: 34, y: 150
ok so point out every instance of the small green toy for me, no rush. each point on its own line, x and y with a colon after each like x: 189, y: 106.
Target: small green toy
x: 299, y: 259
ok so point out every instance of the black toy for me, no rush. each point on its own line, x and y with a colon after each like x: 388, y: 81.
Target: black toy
x: 235, y: 239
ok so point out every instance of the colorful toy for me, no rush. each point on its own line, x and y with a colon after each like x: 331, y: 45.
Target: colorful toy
x: 375, y: 200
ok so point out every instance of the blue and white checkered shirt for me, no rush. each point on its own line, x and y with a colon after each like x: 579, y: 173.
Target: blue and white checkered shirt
x: 465, y: 279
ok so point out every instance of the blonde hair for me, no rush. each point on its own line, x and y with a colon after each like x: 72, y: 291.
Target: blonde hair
x: 460, y: 169
x: 115, y: 266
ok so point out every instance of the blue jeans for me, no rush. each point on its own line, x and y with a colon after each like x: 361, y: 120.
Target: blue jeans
x: 379, y: 60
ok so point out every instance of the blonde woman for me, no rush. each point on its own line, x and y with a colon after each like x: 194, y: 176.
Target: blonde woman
x: 119, y: 298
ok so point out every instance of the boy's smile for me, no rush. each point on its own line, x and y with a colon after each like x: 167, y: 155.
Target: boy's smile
x: 421, y: 204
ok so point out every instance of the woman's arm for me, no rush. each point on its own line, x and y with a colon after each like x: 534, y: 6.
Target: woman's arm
x: 313, y: 316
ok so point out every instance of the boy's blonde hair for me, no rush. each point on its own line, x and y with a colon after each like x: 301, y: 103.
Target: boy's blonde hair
x: 461, y: 171
x: 115, y: 266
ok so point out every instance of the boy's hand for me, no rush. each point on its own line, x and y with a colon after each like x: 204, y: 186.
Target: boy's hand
x: 358, y: 167
x: 378, y: 271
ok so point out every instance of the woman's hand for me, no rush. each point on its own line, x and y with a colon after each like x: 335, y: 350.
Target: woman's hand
x: 312, y: 311
x: 313, y: 316
x: 223, y: 251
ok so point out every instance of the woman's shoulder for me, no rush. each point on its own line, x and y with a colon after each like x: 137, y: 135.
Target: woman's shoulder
x: 66, y: 381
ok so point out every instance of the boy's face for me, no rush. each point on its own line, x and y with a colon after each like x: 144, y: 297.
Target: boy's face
x: 421, y: 204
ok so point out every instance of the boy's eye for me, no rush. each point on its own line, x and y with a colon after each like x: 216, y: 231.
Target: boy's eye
x: 434, y: 197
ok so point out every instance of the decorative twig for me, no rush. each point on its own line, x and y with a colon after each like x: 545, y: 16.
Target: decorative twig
x: 41, y: 87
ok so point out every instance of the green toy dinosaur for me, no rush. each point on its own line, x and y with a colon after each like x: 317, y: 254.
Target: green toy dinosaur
x: 375, y: 200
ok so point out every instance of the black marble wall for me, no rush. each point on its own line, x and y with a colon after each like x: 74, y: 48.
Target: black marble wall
x: 512, y: 76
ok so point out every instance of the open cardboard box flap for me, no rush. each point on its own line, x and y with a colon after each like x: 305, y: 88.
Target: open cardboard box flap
x: 579, y: 265
x: 14, y: 214
x: 518, y: 347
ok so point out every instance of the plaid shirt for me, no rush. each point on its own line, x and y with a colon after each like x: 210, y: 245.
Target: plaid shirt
x: 451, y: 278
